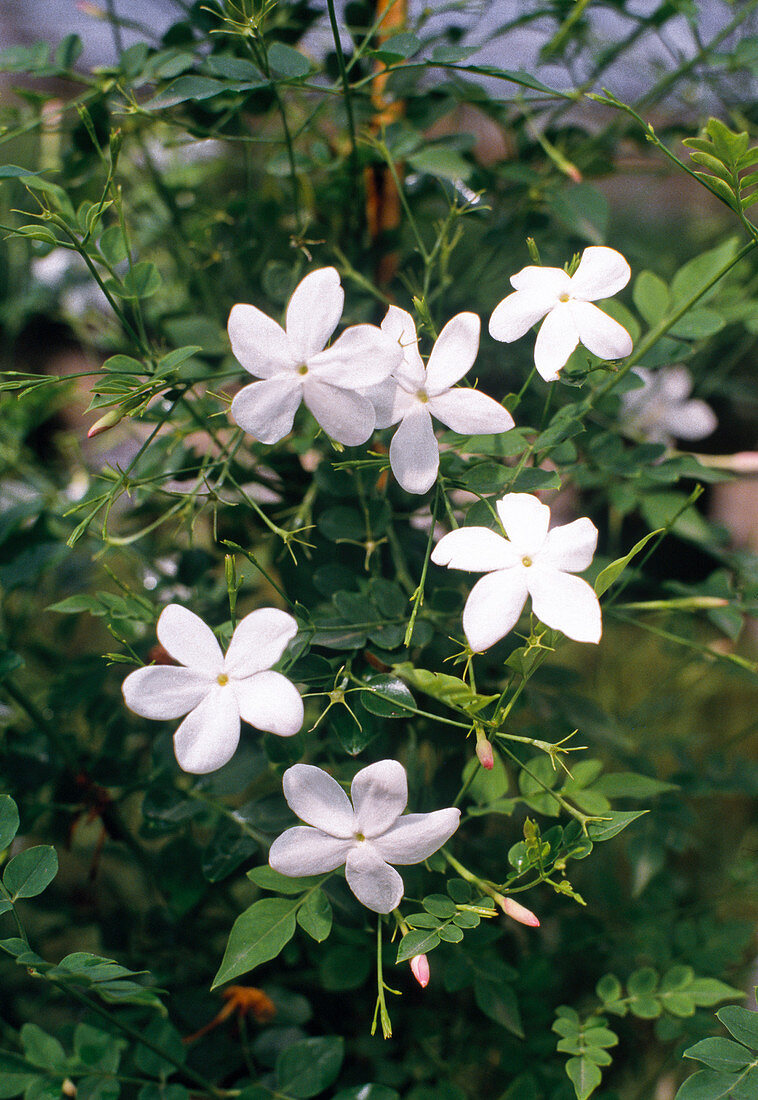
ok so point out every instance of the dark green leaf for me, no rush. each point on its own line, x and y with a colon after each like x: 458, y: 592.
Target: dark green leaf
x: 309, y: 1067
x: 31, y: 871
x: 388, y: 698
x: 499, y: 1002
x: 257, y: 936
x: 720, y: 1054
x: 315, y: 916
x: 269, y: 879
x: 613, y: 823
x: 612, y: 572
x: 8, y: 820
x: 142, y: 281
x: 584, y: 1076
x: 742, y: 1023
x: 417, y: 943
x: 287, y: 62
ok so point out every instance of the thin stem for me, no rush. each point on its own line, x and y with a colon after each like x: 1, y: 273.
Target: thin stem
x: 345, y: 87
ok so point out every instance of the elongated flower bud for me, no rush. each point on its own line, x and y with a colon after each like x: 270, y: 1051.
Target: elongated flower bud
x: 420, y: 968
x: 110, y: 420
x: 484, y: 753
x: 518, y: 912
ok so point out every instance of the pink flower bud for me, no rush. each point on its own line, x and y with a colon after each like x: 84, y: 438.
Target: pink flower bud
x: 518, y: 912
x: 420, y: 968
x: 110, y: 420
x: 485, y: 754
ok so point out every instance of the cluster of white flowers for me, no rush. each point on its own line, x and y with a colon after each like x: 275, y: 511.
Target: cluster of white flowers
x: 374, y: 377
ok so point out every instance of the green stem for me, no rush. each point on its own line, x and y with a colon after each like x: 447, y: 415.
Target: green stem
x: 418, y: 595
x: 345, y: 88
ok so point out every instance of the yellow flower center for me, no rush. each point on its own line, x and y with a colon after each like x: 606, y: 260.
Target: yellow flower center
x: 222, y: 679
x: 302, y: 369
x: 423, y: 396
x: 360, y: 837
x: 526, y: 561
x: 565, y: 297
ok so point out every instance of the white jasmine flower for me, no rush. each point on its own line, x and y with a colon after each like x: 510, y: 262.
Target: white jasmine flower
x: 367, y: 835
x: 662, y: 410
x: 416, y: 393
x: 295, y: 365
x: 566, y: 304
x: 531, y: 561
x: 216, y: 691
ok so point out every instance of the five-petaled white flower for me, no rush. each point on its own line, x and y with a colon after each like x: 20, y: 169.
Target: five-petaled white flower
x: 662, y: 409
x: 531, y: 561
x: 216, y: 691
x: 366, y: 836
x: 295, y: 365
x: 414, y: 394
x: 566, y: 304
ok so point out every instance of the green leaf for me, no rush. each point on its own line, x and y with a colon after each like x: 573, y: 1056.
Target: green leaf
x: 42, y: 1049
x: 439, y: 905
x: 584, y: 1076
x: 709, y: 991
x: 73, y: 605
x: 448, y: 689
x: 612, y: 824
x: 388, y: 698
x: 631, y: 785
x: 707, y: 1085
x: 487, y: 785
x: 287, y: 62
x: 742, y: 1023
x: 257, y: 936
x: 612, y: 572
x: 163, y: 1034
x: 315, y: 916
x: 31, y: 871
x: 367, y: 1092
x: 185, y: 88
x: 609, y: 988
x: 307, y: 1068
x: 498, y: 1001
x: 142, y: 281
x: 15, y: 1074
x: 268, y: 879
x: 8, y: 820
x: 441, y: 161
x: 417, y: 943
x: 720, y: 1054
x: 651, y: 297
x: 96, y: 1048
x: 173, y: 359
x: 402, y: 46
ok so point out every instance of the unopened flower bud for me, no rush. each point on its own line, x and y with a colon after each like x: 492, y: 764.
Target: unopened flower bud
x: 485, y: 754
x: 110, y: 420
x: 68, y: 1088
x: 518, y: 912
x: 420, y: 968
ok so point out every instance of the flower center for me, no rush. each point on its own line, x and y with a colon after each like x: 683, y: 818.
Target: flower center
x: 565, y: 297
x: 222, y: 679
x: 526, y: 561
x: 360, y: 837
x: 302, y: 369
x: 423, y: 396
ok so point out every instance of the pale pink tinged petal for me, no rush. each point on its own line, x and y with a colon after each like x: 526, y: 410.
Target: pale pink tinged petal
x: 362, y: 356
x: 516, y: 314
x: 380, y: 794
x: 187, y: 639
x: 550, y: 281
x: 375, y: 884
x: 476, y: 549
x: 420, y: 970
x: 674, y: 383
x: 415, y: 837
x: 691, y: 420
x: 270, y: 702
x: 564, y: 602
x: 314, y: 311
x: 344, y: 415
x: 557, y: 338
x: 470, y: 412
x: 571, y: 547
x: 208, y: 737
x: 258, y: 641
x: 164, y: 691
x: 384, y: 398
x: 454, y: 352
x: 493, y: 607
x: 599, y: 333
x: 319, y: 800
x: 525, y: 520
x: 602, y: 272
x: 260, y: 344
x: 400, y: 326
x: 414, y: 452
x: 266, y: 410
x: 304, y: 851
x: 516, y: 911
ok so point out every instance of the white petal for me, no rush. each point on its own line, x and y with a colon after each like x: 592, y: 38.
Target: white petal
x: 267, y: 409
x: 362, y: 356
x: 270, y: 702
x: 208, y: 737
x: 417, y: 836
x: 375, y: 884
x: 546, y: 280
x: 260, y: 344
x: 319, y: 800
x: 691, y: 420
x: 674, y: 384
x: 304, y: 851
x: 454, y: 352
x: 570, y: 547
x: 344, y: 415
x: 380, y: 794
x: 556, y: 339
x: 164, y: 691
x: 516, y: 314
x: 384, y: 398
x: 400, y: 326
x: 493, y: 607
x: 476, y: 549
x: 564, y: 602
x: 602, y: 272
x: 599, y: 333
x: 258, y: 641
x: 470, y: 412
x: 525, y: 520
x: 414, y: 452
x: 185, y: 636
x: 314, y: 311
